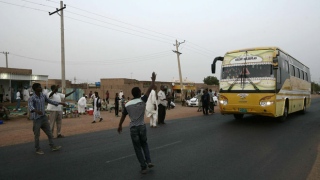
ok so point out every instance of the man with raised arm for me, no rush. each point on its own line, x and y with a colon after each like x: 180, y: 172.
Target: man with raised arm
x: 136, y: 108
x: 36, y: 104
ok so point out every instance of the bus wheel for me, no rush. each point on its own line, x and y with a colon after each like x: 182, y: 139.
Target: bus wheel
x: 238, y: 116
x: 304, y: 110
x: 285, y: 114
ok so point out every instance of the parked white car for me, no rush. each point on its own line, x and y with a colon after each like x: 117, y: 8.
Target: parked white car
x: 194, y: 101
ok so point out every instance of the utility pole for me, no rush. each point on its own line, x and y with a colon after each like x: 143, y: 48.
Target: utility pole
x: 6, y: 54
x: 63, y: 73
x: 178, y: 57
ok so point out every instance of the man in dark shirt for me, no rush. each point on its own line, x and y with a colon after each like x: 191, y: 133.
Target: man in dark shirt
x: 205, y: 102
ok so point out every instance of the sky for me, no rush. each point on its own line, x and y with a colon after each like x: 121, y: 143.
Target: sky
x: 131, y: 39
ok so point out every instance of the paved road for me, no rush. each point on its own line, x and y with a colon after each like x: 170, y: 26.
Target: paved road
x: 207, y: 147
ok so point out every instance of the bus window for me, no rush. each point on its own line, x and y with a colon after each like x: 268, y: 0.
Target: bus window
x: 286, y: 66
x: 279, y: 75
x: 296, y: 72
x: 306, y: 76
x: 292, y: 70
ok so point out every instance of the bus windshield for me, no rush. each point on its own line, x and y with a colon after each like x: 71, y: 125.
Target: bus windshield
x: 250, y: 71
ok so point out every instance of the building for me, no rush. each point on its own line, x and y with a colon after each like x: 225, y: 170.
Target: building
x: 13, y: 79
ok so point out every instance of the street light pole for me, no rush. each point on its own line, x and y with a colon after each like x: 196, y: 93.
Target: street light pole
x: 6, y: 54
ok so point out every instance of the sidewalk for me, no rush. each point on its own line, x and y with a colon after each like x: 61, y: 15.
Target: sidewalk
x: 19, y: 130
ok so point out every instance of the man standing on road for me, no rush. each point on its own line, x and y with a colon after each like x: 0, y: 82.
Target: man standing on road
x: 152, y: 107
x: 205, y: 98
x: 36, y: 105
x: 136, y: 108
x: 56, y: 111
x: 96, y: 108
x: 162, y: 105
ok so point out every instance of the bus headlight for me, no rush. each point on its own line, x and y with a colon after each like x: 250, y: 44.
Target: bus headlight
x: 223, y: 100
x: 266, y: 101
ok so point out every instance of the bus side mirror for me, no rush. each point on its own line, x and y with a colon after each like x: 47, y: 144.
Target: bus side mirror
x: 213, y: 65
x: 213, y: 68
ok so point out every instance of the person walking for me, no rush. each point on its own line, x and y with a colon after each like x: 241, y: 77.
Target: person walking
x: 82, y: 104
x: 123, y: 102
x: 199, y: 96
x: 138, y: 132
x: 211, y: 105
x: 1, y: 93
x: 152, y: 107
x: 116, y: 105
x: 36, y: 104
x: 169, y: 100
x: 162, y: 105
x: 96, y: 108
x: 205, y: 98
x: 56, y: 111
x: 18, y: 98
x: 107, y: 97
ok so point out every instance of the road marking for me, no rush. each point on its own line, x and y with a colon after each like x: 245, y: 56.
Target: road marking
x: 160, y: 147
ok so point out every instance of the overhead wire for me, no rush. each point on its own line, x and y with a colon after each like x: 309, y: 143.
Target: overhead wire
x: 117, y: 25
x: 23, y: 6
x: 199, y: 51
x: 107, y: 62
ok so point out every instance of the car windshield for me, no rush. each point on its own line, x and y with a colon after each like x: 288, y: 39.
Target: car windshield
x: 251, y: 71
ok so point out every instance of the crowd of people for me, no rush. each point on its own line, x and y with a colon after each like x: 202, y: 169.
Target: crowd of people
x: 135, y: 108
x: 153, y: 104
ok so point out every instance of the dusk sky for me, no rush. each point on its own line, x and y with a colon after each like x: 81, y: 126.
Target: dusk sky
x: 130, y: 39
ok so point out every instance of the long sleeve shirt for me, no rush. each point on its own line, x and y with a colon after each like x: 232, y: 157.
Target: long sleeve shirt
x: 38, y: 103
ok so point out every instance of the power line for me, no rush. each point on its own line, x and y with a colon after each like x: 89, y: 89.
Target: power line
x: 23, y: 6
x: 117, y: 25
x: 121, y: 22
x: 37, y: 3
x: 108, y: 62
x: 190, y: 46
x: 117, y: 30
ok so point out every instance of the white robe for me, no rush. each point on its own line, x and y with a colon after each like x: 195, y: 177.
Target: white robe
x: 82, y: 104
x: 26, y: 94
x: 152, y: 100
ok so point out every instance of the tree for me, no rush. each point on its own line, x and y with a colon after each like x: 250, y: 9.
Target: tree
x: 315, y: 88
x: 211, y: 80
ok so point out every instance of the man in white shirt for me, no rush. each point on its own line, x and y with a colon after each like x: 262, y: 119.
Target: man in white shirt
x: 152, y: 107
x: 162, y: 105
x: 56, y: 111
x: 18, y: 98
x: 45, y: 91
x: 82, y: 104
x: 26, y: 94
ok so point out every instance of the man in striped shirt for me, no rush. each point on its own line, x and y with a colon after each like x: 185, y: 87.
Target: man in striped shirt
x: 138, y: 132
x: 36, y: 104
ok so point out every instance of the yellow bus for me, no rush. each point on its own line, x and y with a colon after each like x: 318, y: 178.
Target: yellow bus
x: 263, y: 81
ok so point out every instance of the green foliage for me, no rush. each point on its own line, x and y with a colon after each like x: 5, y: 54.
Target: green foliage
x: 315, y: 88
x: 211, y: 80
